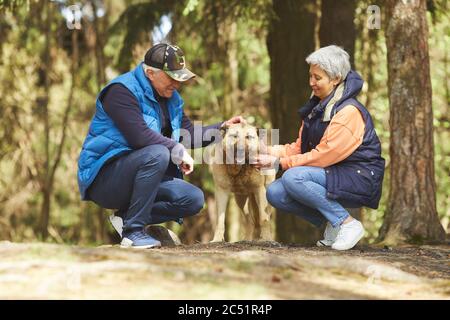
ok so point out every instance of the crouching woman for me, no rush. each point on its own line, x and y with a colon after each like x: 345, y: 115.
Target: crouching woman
x: 336, y: 161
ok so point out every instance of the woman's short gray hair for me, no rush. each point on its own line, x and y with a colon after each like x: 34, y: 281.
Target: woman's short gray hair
x: 334, y: 60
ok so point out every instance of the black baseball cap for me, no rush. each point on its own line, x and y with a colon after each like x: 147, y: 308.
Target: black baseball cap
x: 170, y: 59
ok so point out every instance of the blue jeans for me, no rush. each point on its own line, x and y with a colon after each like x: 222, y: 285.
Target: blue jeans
x: 301, y: 190
x: 137, y: 185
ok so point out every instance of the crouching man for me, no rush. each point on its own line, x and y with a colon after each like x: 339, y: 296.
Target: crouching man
x: 128, y: 158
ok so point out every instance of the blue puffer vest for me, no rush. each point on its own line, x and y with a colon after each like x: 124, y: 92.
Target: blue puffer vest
x: 359, y: 177
x: 104, y: 139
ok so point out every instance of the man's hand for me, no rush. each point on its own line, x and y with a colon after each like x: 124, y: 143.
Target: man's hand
x: 182, y: 158
x: 234, y: 120
x: 187, y: 163
x: 266, y: 161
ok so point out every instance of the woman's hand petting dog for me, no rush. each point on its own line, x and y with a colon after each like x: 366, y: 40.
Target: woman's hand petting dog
x: 266, y: 161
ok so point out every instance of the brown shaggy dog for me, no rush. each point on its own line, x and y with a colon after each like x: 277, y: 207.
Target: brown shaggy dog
x: 233, y: 173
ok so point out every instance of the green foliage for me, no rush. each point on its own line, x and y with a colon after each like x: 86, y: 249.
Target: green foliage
x: 134, y: 24
x: 198, y: 33
x: 13, y: 5
x: 438, y: 9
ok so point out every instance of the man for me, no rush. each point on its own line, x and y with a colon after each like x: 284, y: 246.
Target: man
x: 125, y: 162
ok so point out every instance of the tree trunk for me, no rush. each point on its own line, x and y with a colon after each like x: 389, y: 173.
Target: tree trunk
x: 227, y: 50
x: 411, y: 214
x: 290, y: 40
x: 101, y: 81
x: 337, y: 26
x: 44, y: 100
x: 370, y: 52
x: 45, y: 213
x: 227, y: 46
x: 371, y: 56
x: 48, y: 173
x: 230, y: 68
x: 99, y: 44
x: 100, y: 232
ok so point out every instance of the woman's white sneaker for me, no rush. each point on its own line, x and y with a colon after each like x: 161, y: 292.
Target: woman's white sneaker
x: 349, y: 235
x: 329, y: 236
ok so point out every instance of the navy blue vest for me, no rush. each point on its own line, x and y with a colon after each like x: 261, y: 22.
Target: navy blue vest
x: 359, y: 178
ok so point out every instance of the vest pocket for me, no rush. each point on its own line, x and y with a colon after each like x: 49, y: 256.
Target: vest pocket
x: 358, y: 182
x: 365, y: 182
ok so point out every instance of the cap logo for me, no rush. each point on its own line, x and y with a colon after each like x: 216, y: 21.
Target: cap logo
x: 180, y: 61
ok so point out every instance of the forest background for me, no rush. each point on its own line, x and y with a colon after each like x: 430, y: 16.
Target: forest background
x: 55, y: 56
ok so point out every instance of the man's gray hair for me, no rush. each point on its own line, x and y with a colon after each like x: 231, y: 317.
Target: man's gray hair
x: 334, y: 60
x: 155, y: 70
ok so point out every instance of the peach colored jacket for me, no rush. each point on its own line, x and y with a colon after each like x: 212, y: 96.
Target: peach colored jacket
x: 342, y: 137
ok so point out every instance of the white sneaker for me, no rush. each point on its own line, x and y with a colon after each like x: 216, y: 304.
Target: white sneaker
x: 117, y: 223
x: 329, y: 236
x: 349, y: 235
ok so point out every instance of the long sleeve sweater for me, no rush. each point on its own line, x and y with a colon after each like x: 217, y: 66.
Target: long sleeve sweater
x: 342, y: 137
x: 123, y: 108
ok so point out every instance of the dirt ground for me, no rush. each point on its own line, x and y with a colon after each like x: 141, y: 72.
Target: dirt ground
x: 242, y: 270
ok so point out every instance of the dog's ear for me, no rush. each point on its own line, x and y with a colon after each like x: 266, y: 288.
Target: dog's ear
x: 262, y: 132
x: 258, y: 131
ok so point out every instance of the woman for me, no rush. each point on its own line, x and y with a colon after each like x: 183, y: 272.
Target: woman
x: 336, y: 161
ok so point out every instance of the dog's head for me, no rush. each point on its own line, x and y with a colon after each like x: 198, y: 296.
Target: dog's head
x: 240, y: 142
